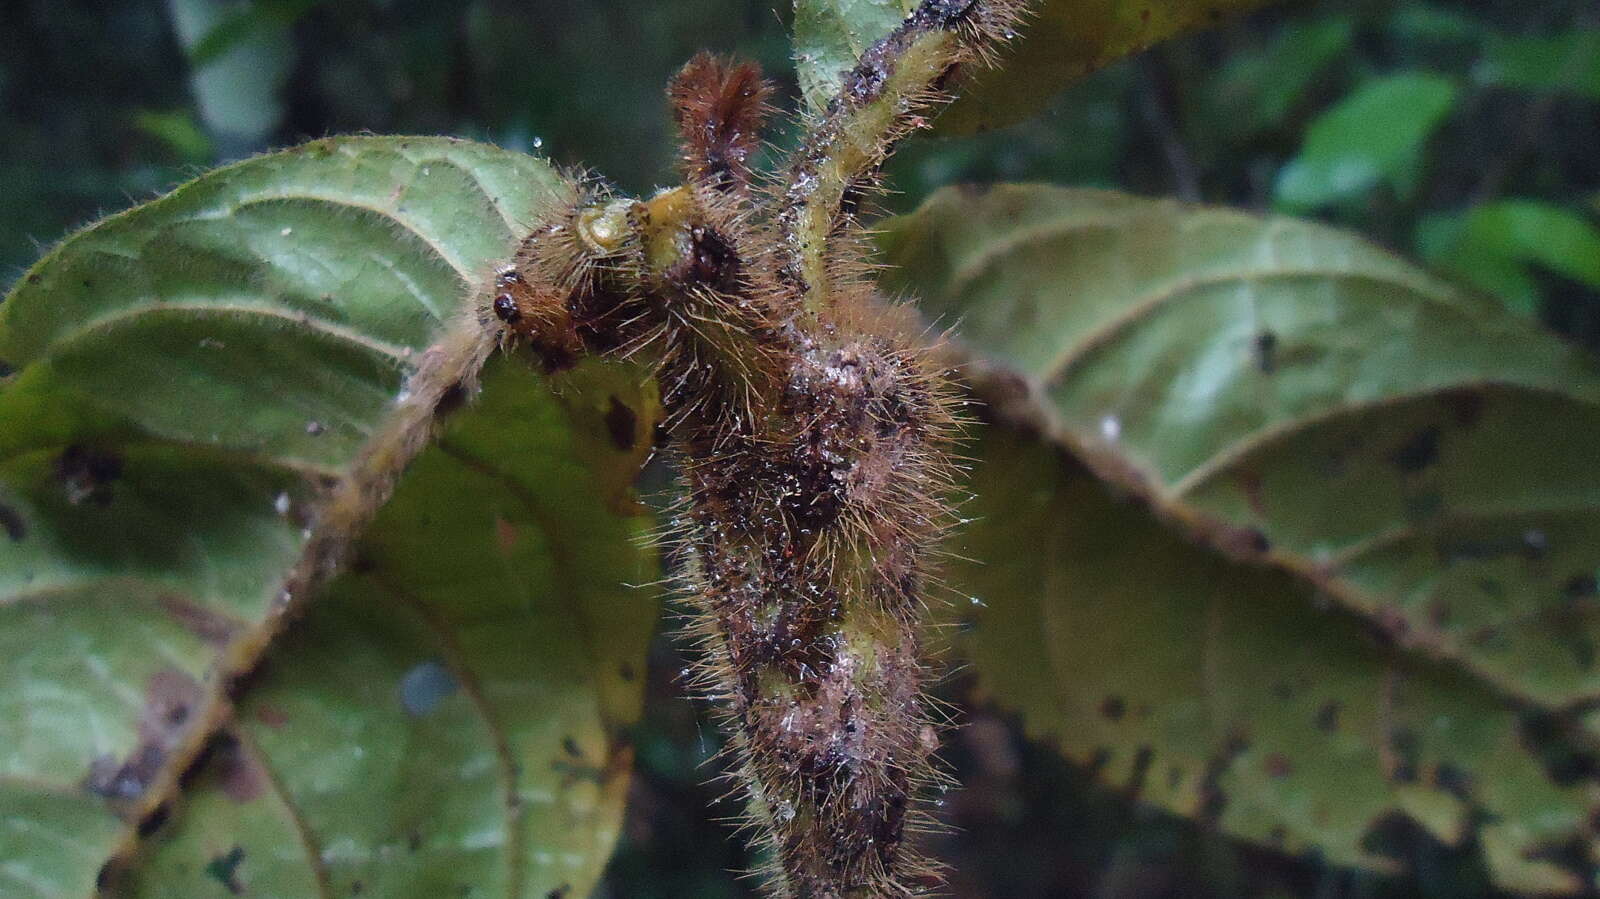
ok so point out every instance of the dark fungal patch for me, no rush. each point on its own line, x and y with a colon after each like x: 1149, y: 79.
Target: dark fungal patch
x: 1404, y: 749
x: 1097, y: 761
x: 1418, y: 452
x: 152, y: 822
x: 1551, y: 741
x: 622, y: 424
x: 1571, y: 854
x: 1142, y: 758
x: 1112, y: 708
x: 1580, y: 586
x: 12, y: 523
x: 86, y: 475
x: 224, y: 869
x: 1266, y: 349
x: 1581, y: 647
x: 1212, y: 799
x: 6, y: 369
x: 1465, y: 406
x: 1453, y: 780
x: 570, y: 747
x: 1395, y: 835
x: 110, y: 779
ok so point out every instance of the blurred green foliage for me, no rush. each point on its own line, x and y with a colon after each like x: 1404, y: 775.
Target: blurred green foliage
x: 1458, y: 133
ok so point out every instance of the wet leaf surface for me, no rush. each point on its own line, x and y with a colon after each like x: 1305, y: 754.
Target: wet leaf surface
x: 449, y: 719
x: 1234, y: 695
x: 189, y: 381
x: 1309, y: 405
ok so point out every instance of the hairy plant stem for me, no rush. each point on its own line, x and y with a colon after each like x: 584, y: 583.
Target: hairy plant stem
x: 810, y: 426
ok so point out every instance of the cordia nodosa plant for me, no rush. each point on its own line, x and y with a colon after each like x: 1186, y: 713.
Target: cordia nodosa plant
x: 317, y: 491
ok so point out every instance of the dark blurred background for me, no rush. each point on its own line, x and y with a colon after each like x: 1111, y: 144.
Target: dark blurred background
x: 1464, y: 135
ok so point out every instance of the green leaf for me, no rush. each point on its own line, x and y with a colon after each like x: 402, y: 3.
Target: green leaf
x: 1418, y: 22
x: 1060, y: 42
x: 830, y: 34
x: 1559, y: 239
x: 1308, y: 403
x: 1221, y: 692
x: 1493, y: 245
x: 179, y: 132
x: 1376, y: 135
x: 230, y: 30
x: 193, y: 379
x: 449, y: 720
x: 1568, y: 62
x: 1257, y: 90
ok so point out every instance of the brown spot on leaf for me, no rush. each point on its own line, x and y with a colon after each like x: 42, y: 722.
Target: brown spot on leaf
x: 1277, y: 765
x: 505, y: 536
x: 271, y: 716
x: 11, y: 521
x: 1328, y: 717
x: 1112, y: 708
x: 205, y: 623
x: 171, y: 698
x: 1418, y: 452
x: 242, y: 779
x: 1243, y: 543
x: 1250, y: 484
